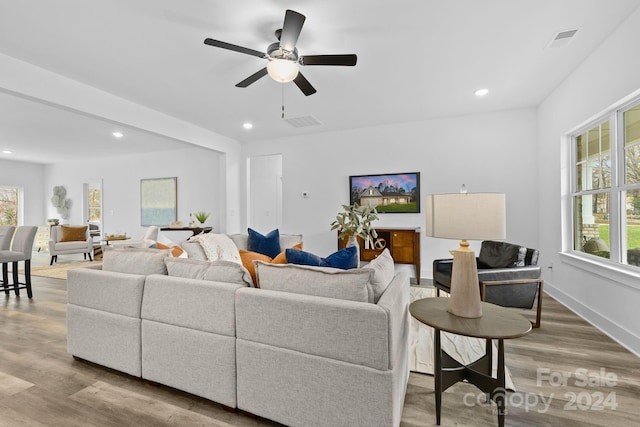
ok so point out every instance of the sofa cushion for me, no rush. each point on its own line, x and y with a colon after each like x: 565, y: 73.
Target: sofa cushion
x: 383, y: 273
x: 217, y: 271
x: 217, y: 247
x: 73, y: 233
x: 135, y: 260
x: 267, y: 245
x: 319, y: 281
x: 344, y: 259
x: 501, y: 255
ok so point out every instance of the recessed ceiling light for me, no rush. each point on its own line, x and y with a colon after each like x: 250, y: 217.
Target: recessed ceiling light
x: 481, y: 92
x: 247, y: 125
x: 6, y: 152
x: 118, y: 134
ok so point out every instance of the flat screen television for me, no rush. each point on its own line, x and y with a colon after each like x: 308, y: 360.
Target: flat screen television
x: 388, y: 193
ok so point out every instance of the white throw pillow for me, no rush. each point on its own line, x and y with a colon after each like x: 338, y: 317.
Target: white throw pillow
x: 218, y: 247
x: 383, y: 273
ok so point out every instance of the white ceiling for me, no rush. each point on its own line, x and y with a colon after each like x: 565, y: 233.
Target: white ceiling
x: 417, y: 59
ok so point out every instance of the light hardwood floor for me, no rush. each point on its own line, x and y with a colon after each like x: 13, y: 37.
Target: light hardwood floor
x: 42, y: 385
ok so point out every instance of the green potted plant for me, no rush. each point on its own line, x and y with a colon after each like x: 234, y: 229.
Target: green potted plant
x: 201, y: 216
x: 355, y: 221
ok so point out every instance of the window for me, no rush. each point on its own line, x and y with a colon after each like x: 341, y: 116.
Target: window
x: 606, y: 186
x: 9, y: 205
x: 95, y: 208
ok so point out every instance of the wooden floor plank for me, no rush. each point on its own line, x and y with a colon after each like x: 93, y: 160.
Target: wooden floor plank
x: 42, y: 385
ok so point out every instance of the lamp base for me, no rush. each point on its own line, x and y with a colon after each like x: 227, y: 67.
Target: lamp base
x: 464, y: 300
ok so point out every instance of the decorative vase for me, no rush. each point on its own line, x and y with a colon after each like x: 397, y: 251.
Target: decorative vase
x: 352, y: 240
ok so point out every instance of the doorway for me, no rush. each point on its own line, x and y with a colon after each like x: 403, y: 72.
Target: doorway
x: 264, y: 201
x: 92, y: 209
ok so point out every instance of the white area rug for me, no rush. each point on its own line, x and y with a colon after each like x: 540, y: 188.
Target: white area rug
x: 464, y: 349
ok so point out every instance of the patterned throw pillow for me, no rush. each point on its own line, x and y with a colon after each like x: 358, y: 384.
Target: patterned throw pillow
x: 218, y: 247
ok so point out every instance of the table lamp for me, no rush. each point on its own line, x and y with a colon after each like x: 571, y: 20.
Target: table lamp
x: 466, y: 216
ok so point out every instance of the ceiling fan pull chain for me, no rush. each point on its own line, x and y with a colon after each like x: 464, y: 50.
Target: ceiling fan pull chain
x: 282, y: 101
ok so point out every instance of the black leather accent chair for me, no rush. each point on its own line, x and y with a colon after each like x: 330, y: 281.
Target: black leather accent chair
x: 508, y: 275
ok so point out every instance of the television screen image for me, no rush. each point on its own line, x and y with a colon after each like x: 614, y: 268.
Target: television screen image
x: 387, y: 193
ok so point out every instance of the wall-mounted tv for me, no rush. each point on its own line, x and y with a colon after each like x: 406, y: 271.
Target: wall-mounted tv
x: 388, y: 193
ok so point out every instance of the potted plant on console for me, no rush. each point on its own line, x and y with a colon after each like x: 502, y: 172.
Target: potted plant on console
x: 355, y: 221
x: 201, y: 216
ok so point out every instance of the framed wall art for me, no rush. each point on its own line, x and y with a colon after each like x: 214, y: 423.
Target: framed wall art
x: 158, y: 201
x: 388, y: 193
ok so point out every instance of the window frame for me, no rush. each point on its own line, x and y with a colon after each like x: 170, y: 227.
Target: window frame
x: 616, y: 264
x: 19, y: 202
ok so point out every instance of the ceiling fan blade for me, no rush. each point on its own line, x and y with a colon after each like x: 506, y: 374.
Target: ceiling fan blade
x: 348, y: 60
x: 252, y: 78
x: 235, y: 48
x: 304, y: 85
x: 291, y: 30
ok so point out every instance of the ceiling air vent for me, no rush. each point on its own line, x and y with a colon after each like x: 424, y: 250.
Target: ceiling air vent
x: 303, y: 121
x: 562, y: 39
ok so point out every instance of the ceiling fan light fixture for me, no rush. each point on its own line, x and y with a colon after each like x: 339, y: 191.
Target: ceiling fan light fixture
x: 282, y: 70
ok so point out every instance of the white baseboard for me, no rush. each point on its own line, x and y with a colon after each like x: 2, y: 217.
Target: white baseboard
x: 616, y: 332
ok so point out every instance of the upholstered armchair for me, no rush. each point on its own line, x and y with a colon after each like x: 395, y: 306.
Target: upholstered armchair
x: 70, y: 239
x: 508, y: 275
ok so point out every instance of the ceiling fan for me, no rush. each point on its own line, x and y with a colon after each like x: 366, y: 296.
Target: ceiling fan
x: 283, y: 56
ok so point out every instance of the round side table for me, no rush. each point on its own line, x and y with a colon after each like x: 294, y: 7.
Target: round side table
x: 497, y: 323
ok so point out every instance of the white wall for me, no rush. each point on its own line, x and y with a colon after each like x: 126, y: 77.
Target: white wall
x: 18, y: 78
x: 608, y: 75
x: 489, y: 153
x: 197, y: 170
x: 29, y: 177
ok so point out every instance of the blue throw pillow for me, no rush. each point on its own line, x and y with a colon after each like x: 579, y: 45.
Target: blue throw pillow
x: 268, y: 245
x: 344, y: 259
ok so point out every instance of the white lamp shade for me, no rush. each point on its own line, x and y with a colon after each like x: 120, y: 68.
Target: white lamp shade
x: 470, y: 216
x: 282, y: 70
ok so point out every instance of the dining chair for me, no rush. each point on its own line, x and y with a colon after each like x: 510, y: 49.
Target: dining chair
x: 6, y: 234
x: 21, y: 250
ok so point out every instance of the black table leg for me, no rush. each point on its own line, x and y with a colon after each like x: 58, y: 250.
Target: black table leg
x: 437, y: 372
x: 500, y: 391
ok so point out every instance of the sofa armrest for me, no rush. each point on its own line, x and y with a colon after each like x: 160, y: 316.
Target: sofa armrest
x: 395, y: 301
x: 117, y: 293
x: 350, y: 331
x: 443, y: 265
x: 442, y: 272
x: 511, y: 273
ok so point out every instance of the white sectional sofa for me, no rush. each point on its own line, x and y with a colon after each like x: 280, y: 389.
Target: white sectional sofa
x: 301, y: 360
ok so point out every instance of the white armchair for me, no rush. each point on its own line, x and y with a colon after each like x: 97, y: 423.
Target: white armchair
x: 68, y: 239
